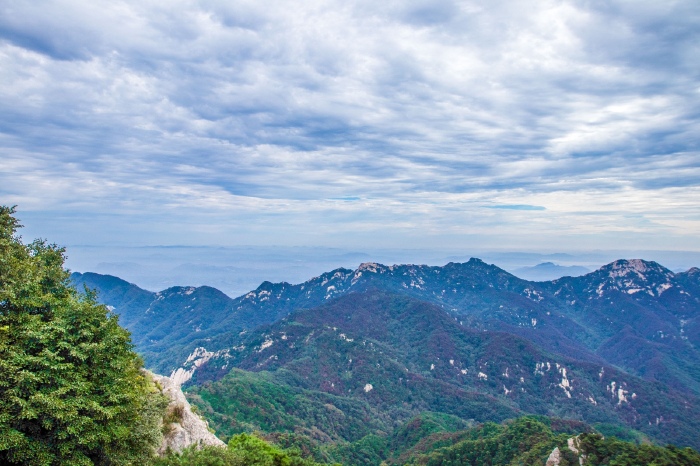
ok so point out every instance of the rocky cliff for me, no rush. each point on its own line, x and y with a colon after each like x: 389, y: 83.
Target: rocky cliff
x: 182, y: 427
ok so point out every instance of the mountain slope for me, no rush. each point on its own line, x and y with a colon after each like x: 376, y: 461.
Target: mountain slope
x: 402, y: 356
x: 637, y: 315
x: 536, y: 440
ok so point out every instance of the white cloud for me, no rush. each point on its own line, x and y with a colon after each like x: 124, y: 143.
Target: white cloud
x: 238, y: 112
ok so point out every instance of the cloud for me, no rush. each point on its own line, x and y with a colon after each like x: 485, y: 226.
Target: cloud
x: 517, y: 207
x: 415, y: 114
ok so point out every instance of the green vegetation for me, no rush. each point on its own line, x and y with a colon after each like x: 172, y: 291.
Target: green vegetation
x: 71, y: 389
x: 530, y: 440
x: 614, y: 452
x: 242, y: 450
x: 369, y: 450
x: 251, y: 402
x: 523, y: 441
x: 422, y: 426
x: 433, y: 439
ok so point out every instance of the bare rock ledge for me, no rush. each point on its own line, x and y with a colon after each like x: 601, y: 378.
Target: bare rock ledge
x: 185, y: 427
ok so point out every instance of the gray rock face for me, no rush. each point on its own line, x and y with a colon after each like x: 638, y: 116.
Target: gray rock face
x: 184, y: 428
x: 554, y: 457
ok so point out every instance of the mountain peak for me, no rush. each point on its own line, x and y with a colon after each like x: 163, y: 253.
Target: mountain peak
x: 176, y: 290
x: 371, y: 267
x: 628, y: 265
x: 635, y: 275
x: 638, y: 267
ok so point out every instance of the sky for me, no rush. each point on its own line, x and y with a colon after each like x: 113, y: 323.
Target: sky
x: 503, y: 125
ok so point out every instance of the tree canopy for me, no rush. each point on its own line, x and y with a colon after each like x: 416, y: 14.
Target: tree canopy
x: 71, y: 387
x: 242, y: 450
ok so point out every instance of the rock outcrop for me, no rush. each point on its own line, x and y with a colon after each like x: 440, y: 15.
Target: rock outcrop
x: 182, y: 427
x: 554, y: 457
x: 574, y: 446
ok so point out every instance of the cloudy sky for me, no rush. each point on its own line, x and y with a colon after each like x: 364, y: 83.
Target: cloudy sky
x: 540, y: 125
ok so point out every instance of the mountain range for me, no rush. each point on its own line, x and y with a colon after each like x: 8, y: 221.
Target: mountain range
x: 353, y: 355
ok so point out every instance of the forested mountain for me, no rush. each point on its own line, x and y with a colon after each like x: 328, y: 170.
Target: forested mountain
x: 633, y: 314
x: 348, y: 357
x: 395, y: 356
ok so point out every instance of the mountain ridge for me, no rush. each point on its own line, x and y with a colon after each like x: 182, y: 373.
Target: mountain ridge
x: 556, y: 314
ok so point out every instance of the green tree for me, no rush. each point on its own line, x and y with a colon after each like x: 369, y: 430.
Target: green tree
x: 205, y: 456
x: 242, y: 450
x: 71, y: 387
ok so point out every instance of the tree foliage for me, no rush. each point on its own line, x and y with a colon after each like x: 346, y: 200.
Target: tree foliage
x: 611, y: 451
x: 71, y: 390
x: 529, y: 440
x: 242, y: 450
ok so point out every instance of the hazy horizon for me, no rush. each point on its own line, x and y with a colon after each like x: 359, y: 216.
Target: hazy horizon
x: 237, y: 270
x: 417, y: 125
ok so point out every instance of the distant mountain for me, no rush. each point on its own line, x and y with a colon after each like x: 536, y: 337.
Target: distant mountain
x: 618, y: 346
x: 180, y: 319
x: 547, y: 271
x: 585, y: 317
